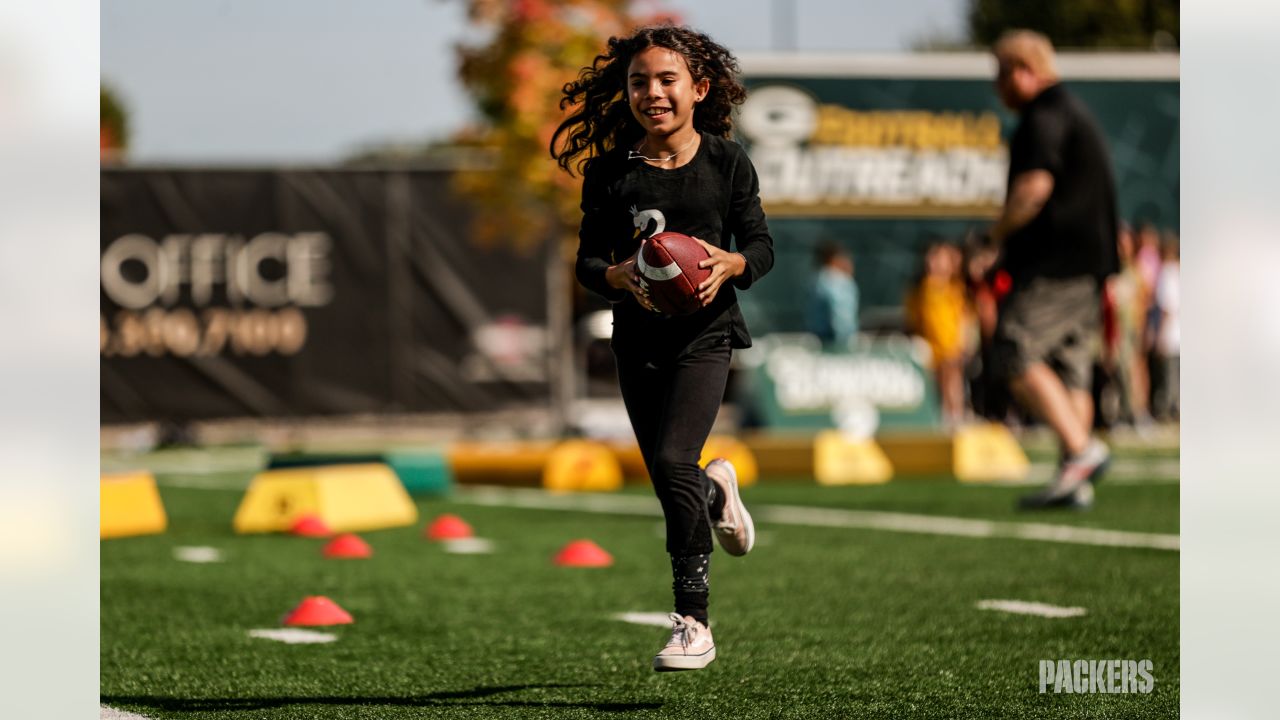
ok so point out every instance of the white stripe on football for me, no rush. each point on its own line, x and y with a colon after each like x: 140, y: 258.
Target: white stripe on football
x: 666, y: 272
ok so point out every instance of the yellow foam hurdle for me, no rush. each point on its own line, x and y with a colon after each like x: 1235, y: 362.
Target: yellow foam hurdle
x: 725, y: 446
x: 514, y: 462
x: 129, y: 504
x: 914, y: 453
x: 347, y: 497
x: 581, y: 466
x: 839, y: 459
x: 783, y: 454
x: 568, y: 465
x: 736, y: 452
x: 988, y: 452
x: 631, y: 461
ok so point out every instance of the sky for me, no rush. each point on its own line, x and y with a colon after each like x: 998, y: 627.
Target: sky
x: 311, y: 81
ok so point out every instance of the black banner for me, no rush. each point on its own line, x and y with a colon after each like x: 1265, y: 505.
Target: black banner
x: 287, y: 293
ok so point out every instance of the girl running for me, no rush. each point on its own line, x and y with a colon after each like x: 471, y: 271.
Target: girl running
x: 649, y: 131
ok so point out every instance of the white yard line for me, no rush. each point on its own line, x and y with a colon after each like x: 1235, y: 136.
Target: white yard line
x: 827, y: 517
x: 1023, y: 607
x: 531, y: 499
x: 293, y: 636
x: 764, y: 538
x: 656, y: 619
x: 110, y: 713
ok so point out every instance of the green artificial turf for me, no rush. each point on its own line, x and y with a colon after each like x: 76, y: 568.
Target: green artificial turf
x: 816, y: 622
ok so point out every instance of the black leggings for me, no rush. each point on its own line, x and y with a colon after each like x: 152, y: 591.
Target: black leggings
x: 672, y: 404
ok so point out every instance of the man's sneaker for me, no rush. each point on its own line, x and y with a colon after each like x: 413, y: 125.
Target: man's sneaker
x: 1068, y: 488
x: 1082, y: 498
x: 690, y: 646
x: 734, y: 528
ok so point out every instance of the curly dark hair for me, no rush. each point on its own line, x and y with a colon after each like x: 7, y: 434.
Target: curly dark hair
x: 603, y: 120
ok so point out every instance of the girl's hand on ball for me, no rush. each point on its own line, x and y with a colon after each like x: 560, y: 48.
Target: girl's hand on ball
x: 625, y: 276
x: 724, y: 265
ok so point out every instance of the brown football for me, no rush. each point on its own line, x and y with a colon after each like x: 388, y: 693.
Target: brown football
x: 668, y: 265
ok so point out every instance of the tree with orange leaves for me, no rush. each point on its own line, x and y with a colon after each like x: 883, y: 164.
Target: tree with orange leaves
x: 536, y: 46
x: 113, y: 125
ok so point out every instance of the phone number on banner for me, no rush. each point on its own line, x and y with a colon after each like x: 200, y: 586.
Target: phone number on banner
x: 183, y: 332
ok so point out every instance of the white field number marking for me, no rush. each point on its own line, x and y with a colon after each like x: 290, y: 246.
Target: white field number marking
x: 293, y: 636
x: 1023, y: 607
x: 468, y: 546
x: 197, y: 554
x: 656, y: 619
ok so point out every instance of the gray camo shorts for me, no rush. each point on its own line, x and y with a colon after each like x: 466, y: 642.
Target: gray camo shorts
x: 1055, y: 321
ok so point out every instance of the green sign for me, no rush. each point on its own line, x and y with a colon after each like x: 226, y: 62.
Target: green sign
x: 796, y: 384
x: 883, y: 155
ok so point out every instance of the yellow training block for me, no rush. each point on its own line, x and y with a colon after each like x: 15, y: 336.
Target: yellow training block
x: 988, y: 452
x: 347, y: 497
x: 631, y: 461
x: 736, y: 452
x: 129, y: 504
x: 725, y: 446
x: 567, y: 465
x: 841, y: 460
x: 581, y: 465
x: 499, y: 463
x: 785, y: 454
x: 918, y: 453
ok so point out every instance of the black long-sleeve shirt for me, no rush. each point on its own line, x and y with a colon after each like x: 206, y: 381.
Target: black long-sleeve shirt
x: 715, y: 197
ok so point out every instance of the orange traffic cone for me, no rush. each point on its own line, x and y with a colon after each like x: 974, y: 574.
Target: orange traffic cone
x: 583, y: 553
x: 310, y: 525
x: 448, y: 527
x: 318, y: 610
x: 348, y: 545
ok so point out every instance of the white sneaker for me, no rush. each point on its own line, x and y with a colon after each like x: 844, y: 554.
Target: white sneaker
x: 1082, y: 498
x: 690, y: 646
x: 735, y: 530
x: 1073, y: 485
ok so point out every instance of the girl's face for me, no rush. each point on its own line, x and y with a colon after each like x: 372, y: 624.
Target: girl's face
x: 661, y: 92
x: 940, y: 261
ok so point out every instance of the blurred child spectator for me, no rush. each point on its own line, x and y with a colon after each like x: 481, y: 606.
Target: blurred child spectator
x: 1147, y: 254
x: 1168, y: 336
x: 988, y: 392
x: 833, y: 303
x: 1129, y: 296
x: 938, y: 312
x: 1149, y: 259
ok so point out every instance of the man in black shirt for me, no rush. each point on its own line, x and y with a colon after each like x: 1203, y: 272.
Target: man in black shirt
x: 1057, y: 238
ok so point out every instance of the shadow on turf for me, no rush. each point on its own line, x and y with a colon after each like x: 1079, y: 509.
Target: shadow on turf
x: 445, y: 698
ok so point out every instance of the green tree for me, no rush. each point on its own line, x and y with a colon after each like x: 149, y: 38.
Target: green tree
x: 532, y: 48
x: 1080, y: 23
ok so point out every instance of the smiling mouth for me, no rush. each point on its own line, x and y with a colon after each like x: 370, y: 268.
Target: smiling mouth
x: 657, y: 112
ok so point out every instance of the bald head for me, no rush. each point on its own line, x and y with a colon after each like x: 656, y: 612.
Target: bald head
x: 1029, y: 49
x: 1026, y: 66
